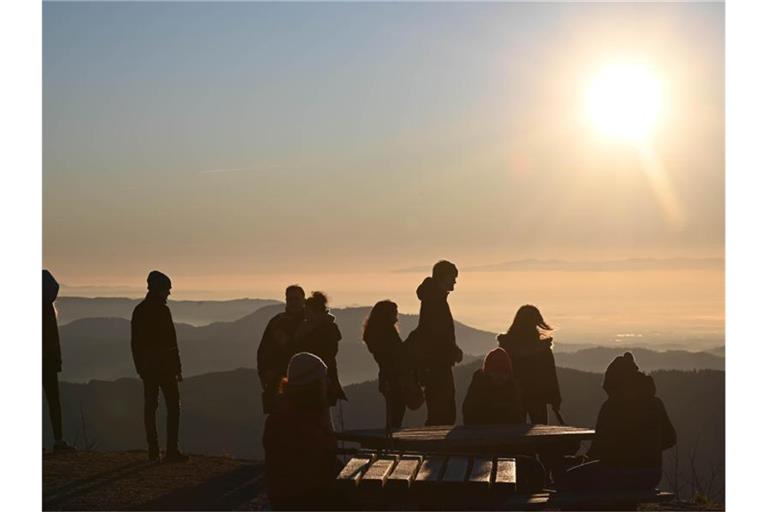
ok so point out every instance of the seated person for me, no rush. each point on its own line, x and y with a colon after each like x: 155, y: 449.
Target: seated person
x: 299, y: 445
x: 493, y: 397
x: 632, y: 431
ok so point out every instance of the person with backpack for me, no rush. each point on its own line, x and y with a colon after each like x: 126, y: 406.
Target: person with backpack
x: 493, y: 397
x: 632, y: 431
x: 530, y: 349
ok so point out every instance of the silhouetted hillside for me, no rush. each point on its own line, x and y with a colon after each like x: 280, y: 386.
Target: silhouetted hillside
x: 193, y: 312
x: 99, y: 348
x: 597, y: 359
x: 221, y: 412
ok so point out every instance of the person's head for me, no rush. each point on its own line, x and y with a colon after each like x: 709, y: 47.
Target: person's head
x: 294, y: 300
x: 306, y: 382
x: 383, y: 316
x: 159, y: 285
x: 620, y: 375
x: 50, y: 287
x: 529, y: 323
x: 316, y: 305
x: 497, y: 365
x: 445, y: 273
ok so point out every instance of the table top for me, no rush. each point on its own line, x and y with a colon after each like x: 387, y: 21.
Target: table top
x: 467, y: 438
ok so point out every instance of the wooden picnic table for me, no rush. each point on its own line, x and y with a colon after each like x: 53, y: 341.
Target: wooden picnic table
x: 493, y: 439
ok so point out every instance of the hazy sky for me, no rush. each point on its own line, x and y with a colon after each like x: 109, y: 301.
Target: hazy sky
x: 224, y: 140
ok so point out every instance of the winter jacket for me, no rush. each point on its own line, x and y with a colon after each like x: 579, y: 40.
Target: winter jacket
x: 322, y: 339
x: 276, y: 348
x: 633, y: 428
x: 388, y: 351
x: 534, y: 366
x: 489, y: 403
x: 299, y: 452
x: 51, y: 346
x: 153, y: 340
x: 436, y: 337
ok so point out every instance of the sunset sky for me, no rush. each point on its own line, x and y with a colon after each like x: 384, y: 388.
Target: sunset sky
x: 243, y: 146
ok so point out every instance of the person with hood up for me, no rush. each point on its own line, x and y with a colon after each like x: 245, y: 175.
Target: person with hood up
x: 277, y: 345
x: 435, y: 345
x: 299, y: 445
x: 632, y: 431
x: 493, y: 397
x: 320, y: 335
x: 382, y: 338
x: 52, y: 359
x: 156, y: 357
x: 533, y: 362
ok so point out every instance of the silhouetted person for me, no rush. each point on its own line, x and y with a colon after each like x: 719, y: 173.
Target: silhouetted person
x: 52, y: 359
x: 435, y: 344
x: 278, y: 343
x: 156, y: 356
x: 533, y: 362
x: 493, y: 397
x: 382, y: 338
x: 320, y: 335
x: 632, y: 431
x: 299, y: 445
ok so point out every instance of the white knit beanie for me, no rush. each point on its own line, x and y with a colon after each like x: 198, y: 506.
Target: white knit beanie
x: 305, y: 368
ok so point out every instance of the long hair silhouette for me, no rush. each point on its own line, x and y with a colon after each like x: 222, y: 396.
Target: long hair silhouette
x: 529, y: 325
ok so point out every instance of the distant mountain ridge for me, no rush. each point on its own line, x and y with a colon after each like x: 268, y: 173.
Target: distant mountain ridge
x: 628, y: 264
x: 194, y: 312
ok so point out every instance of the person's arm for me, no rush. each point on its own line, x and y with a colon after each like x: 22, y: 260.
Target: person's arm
x: 173, y: 342
x: 553, y: 384
x: 265, y: 357
x: 667, y: 433
x: 137, y: 343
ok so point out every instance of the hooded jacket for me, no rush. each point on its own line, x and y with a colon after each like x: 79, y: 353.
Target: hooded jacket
x: 534, y: 366
x: 153, y: 340
x: 322, y: 339
x: 436, y: 336
x: 272, y: 357
x: 633, y: 428
x: 489, y: 403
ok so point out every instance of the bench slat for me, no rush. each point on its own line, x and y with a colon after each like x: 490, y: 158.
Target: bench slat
x: 404, y: 472
x: 354, y: 469
x: 482, y: 468
x: 506, y: 473
x: 377, y: 473
x: 456, y: 469
x: 431, y: 469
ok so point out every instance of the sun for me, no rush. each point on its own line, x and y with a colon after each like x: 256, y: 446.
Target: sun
x: 624, y: 101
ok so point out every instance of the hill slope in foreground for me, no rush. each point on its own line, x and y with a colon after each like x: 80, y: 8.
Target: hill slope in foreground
x: 127, y: 481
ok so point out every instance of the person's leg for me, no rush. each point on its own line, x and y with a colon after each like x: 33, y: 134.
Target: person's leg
x: 395, y: 407
x: 440, y: 396
x: 151, y: 388
x: 171, y: 396
x: 51, y: 388
x: 537, y: 412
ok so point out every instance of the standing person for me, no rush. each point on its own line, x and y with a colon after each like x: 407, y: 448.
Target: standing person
x: 632, y: 431
x: 52, y: 359
x: 299, y: 445
x: 156, y: 357
x: 533, y: 362
x: 436, y: 349
x: 493, y: 397
x: 320, y: 335
x: 382, y: 338
x: 277, y: 345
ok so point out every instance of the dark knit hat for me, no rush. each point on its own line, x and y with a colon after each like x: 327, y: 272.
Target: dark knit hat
x: 497, y: 360
x: 156, y: 280
x: 619, y: 373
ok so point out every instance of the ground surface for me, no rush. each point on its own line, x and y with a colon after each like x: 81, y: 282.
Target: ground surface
x: 126, y: 480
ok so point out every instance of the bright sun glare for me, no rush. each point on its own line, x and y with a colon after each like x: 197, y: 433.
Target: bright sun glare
x: 624, y: 101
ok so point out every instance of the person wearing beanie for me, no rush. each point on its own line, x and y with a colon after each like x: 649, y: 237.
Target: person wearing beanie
x: 493, y: 397
x: 299, y: 428
x: 632, y: 431
x: 52, y: 359
x: 156, y: 358
x: 529, y: 346
x: 278, y: 345
x: 435, y: 345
